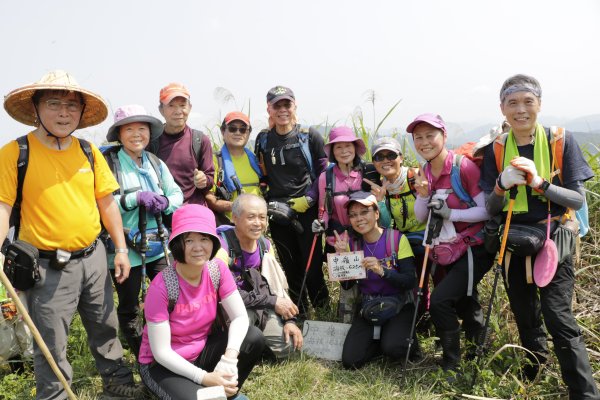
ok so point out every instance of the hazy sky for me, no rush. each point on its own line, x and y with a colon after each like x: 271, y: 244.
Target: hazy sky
x: 444, y: 56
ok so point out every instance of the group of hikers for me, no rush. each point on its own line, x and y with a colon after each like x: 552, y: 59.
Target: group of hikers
x: 161, y: 206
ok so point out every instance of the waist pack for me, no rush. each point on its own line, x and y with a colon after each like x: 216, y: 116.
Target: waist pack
x: 446, y: 253
x: 154, y: 246
x: 380, y: 309
x: 21, y: 265
x: 282, y: 214
x: 415, y: 239
x: 526, y: 240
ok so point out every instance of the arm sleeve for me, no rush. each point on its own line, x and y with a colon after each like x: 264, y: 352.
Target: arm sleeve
x: 404, y: 275
x: 494, y: 203
x: 319, y: 159
x: 234, y: 307
x: 421, y: 211
x: 170, y: 189
x: 322, y: 183
x: 206, y: 164
x: 159, y: 337
x: 473, y: 214
x: 566, y: 197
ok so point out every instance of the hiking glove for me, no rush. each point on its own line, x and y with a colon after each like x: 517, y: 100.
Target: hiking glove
x: 510, y: 177
x: 318, y: 226
x: 300, y: 204
x: 154, y: 202
x: 528, y: 166
x: 440, y: 208
x: 228, y: 366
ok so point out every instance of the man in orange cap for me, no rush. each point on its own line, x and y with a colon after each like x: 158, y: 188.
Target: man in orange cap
x: 186, y: 151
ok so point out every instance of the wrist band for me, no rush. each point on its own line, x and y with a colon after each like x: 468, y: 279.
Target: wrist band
x: 499, y: 183
x: 124, y: 251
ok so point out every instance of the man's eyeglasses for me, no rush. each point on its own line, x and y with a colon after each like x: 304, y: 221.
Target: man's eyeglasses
x: 382, y: 156
x: 359, y: 214
x: 234, y: 129
x: 56, y: 105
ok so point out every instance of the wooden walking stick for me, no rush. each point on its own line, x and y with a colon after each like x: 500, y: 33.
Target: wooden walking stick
x: 36, y: 334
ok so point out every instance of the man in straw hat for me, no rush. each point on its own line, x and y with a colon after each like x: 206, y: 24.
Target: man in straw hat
x: 64, y: 200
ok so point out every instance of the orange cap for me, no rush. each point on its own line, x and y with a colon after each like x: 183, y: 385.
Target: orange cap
x: 173, y: 90
x: 236, y: 116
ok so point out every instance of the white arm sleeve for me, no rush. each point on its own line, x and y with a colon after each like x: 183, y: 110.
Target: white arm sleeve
x: 236, y: 311
x: 159, y: 336
x: 421, y: 210
x: 473, y: 214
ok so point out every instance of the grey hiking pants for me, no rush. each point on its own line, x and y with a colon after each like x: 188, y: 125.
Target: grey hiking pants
x: 273, y: 333
x: 84, y: 285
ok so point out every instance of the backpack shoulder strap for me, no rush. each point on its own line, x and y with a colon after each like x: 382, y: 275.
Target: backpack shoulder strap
x: 155, y: 162
x: 263, y: 247
x: 172, y: 285
x: 22, y: 163
x: 197, y: 144
x: 456, y: 182
x: 215, y: 275
x: 233, y: 243
x: 304, y: 139
x: 557, y: 142
x: 499, y: 151
x: 112, y: 159
x: 329, y: 189
x: 87, y: 150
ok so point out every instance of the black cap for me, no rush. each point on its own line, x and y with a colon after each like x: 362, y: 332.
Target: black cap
x: 280, y: 93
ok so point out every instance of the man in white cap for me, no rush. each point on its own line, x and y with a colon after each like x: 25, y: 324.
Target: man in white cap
x: 65, y: 194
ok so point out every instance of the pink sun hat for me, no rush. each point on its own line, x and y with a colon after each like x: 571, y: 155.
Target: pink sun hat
x: 345, y: 134
x: 195, y: 218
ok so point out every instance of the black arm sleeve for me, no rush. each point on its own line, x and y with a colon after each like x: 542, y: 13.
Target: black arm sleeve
x: 403, y: 276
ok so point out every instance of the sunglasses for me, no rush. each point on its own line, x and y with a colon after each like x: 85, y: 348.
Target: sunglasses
x: 285, y: 104
x: 234, y: 129
x: 383, y: 156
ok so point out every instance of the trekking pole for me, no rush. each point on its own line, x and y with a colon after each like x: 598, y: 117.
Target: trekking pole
x: 434, y: 228
x: 36, y: 334
x: 142, y: 223
x: 163, y: 236
x: 497, y: 272
x: 312, y: 250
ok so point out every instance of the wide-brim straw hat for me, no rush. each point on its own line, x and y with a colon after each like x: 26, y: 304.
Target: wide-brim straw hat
x: 19, y: 105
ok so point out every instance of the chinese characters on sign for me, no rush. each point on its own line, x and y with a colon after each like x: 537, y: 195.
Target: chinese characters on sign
x: 345, y: 266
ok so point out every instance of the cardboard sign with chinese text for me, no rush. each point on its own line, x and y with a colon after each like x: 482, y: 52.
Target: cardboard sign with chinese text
x: 345, y: 266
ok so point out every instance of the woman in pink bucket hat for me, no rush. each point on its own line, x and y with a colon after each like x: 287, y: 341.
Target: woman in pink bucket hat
x: 147, y: 190
x: 180, y: 345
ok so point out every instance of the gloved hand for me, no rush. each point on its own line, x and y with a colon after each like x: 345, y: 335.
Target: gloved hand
x: 300, y: 204
x: 528, y: 166
x: 440, y: 208
x: 228, y: 366
x: 510, y: 177
x: 154, y: 202
x: 318, y: 226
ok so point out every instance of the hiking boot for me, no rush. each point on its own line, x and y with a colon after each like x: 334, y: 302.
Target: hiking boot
x: 450, y: 349
x: 123, y: 391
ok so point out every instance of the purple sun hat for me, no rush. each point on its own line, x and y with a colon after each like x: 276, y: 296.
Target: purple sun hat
x: 345, y: 134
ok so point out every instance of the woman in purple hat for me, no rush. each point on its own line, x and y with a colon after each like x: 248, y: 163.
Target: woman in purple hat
x: 145, y: 183
x: 182, y: 350
x: 462, y: 210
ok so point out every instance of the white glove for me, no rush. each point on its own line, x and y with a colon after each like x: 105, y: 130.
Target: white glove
x: 528, y: 167
x: 228, y: 366
x: 318, y: 226
x: 510, y: 177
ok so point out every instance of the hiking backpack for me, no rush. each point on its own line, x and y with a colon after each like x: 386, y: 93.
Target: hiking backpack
x: 172, y: 282
x: 557, y: 142
x: 235, y: 249
x: 368, y: 171
x: 22, y: 163
x: 112, y: 158
x: 260, y: 149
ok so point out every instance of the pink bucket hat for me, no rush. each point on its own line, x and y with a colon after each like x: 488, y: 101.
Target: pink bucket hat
x: 195, y: 218
x: 133, y: 113
x: 432, y: 119
x: 345, y: 134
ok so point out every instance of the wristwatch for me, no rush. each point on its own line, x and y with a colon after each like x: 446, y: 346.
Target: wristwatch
x: 542, y: 186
